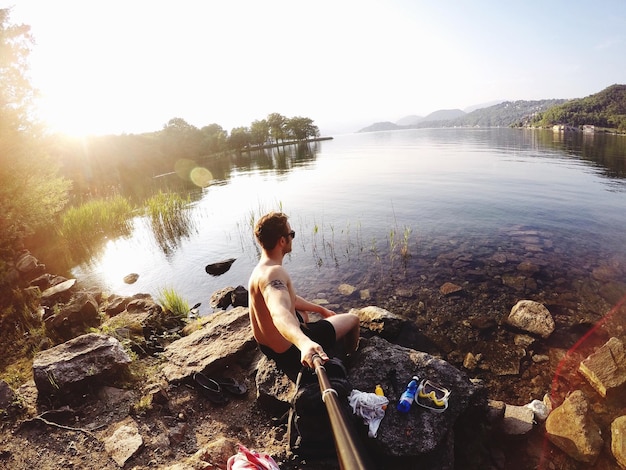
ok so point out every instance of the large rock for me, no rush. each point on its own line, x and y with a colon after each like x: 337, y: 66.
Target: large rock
x: 571, y: 428
x: 422, y: 437
x: 75, y: 317
x: 26, y: 264
x: 380, y: 321
x: 532, y: 317
x: 274, y: 389
x: 392, y: 366
x: 60, y: 292
x: 605, y: 369
x: 72, y: 363
x: 223, y: 338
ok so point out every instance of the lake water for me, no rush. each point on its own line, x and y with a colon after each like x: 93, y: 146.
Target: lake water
x: 384, y: 211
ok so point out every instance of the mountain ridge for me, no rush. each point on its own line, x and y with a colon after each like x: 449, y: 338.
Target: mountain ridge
x: 502, y: 114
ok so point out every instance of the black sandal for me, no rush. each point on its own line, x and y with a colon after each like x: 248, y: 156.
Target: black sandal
x: 210, y: 389
x: 232, y: 386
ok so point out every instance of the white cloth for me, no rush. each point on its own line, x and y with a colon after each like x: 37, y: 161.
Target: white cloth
x: 368, y: 406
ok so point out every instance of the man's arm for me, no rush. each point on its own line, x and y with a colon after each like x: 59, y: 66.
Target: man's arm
x: 278, y: 301
x: 305, y: 305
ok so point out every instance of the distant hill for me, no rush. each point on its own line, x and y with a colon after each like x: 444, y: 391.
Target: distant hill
x: 505, y: 114
x: 474, y: 107
x: 409, y: 120
x: 382, y: 126
x: 605, y: 109
x: 444, y: 115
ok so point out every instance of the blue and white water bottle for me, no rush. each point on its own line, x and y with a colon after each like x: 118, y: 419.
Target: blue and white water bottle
x: 408, y: 396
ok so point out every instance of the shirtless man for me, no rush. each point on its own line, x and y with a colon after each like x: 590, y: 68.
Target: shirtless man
x: 279, y: 317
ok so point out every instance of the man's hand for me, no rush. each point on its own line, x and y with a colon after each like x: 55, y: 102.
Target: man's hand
x: 326, y: 312
x: 308, y: 352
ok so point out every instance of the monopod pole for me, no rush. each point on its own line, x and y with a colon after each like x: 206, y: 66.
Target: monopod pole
x: 350, y: 453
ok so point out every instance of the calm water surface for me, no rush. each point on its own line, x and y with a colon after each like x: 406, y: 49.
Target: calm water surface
x: 357, y: 200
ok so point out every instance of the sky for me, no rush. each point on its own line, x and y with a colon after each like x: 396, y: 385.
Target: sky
x: 129, y: 66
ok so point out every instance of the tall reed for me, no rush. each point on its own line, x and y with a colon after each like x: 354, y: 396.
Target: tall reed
x: 88, y: 222
x: 169, y: 219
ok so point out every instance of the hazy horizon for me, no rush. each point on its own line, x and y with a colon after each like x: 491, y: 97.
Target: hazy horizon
x: 129, y: 67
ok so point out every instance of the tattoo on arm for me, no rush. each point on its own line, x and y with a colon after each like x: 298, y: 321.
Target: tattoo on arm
x: 277, y: 284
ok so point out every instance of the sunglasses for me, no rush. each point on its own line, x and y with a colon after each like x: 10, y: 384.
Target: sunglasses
x: 291, y: 234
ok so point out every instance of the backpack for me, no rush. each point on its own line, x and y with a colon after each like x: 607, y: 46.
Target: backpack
x: 309, y: 433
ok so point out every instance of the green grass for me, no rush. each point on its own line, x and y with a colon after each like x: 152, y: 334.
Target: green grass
x: 90, y: 221
x: 173, y: 303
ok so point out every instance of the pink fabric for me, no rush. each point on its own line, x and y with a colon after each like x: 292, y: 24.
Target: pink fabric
x: 247, y: 459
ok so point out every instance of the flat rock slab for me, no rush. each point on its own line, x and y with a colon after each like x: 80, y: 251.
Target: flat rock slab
x: 224, y: 336
x: 85, y: 357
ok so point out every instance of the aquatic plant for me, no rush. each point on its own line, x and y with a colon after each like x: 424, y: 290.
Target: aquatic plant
x: 169, y: 218
x: 84, y: 224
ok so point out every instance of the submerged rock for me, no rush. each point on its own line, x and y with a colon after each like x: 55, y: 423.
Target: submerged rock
x: 532, y: 317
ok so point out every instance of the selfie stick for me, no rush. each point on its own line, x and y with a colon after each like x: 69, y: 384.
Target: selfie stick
x: 349, y: 452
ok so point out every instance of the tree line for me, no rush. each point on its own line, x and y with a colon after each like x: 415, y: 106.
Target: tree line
x: 606, y: 109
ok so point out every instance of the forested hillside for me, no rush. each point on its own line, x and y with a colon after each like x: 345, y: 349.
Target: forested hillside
x: 604, y: 109
x: 505, y: 114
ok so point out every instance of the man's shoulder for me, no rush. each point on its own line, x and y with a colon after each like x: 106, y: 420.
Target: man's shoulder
x: 264, y: 275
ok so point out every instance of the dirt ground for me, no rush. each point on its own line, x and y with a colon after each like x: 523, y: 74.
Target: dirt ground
x: 70, y: 433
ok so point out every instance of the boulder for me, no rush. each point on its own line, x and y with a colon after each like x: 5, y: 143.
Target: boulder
x: 427, y: 436
x: 571, y: 428
x: 70, y: 364
x: 115, y: 305
x: 45, y: 281
x: 74, y: 317
x: 275, y: 389
x: 532, y: 317
x: 380, y: 321
x: 239, y: 297
x: 26, y: 264
x: 57, y: 293
x: 222, y: 298
x: 605, y: 369
x: 225, y: 336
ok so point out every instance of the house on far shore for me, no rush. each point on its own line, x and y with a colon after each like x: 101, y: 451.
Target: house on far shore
x: 563, y: 128
x: 589, y: 129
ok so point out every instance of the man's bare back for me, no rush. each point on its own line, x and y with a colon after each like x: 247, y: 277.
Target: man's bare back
x: 268, y: 276
x: 273, y: 300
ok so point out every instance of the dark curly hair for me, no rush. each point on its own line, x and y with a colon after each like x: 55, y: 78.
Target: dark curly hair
x: 270, y: 228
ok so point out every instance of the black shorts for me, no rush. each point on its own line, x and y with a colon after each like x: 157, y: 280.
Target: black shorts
x: 322, y: 332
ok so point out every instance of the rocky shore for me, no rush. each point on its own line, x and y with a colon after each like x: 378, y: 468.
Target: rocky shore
x: 123, y: 395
